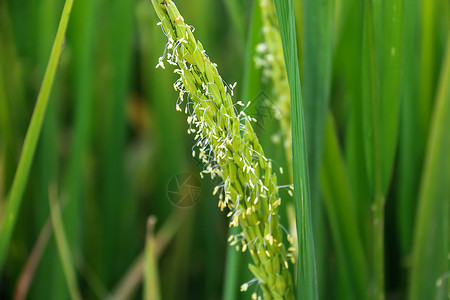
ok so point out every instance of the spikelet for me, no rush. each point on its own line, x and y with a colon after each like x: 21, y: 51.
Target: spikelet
x: 271, y: 59
x: 230, y: 150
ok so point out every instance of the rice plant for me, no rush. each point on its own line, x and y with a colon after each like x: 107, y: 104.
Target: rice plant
x: 340, y: 109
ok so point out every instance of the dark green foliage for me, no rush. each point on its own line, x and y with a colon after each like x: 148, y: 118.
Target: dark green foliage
x: 370, y: 133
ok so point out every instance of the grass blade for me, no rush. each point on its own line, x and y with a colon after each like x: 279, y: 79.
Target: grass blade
x: 350, y: 74
x: 428, y: 66
x: 382, y: 56
x: 34, y: 259
x: 151, y: 284
x: 131, y: 279
x: 63, y: 247
x: 371, y: 112
x: 29, y: 147
x: 390, y: 52
x: 318, y: 20
x: 410, y: 148
x: 432, y: 231
x: 383, y: 39
x: 306, y: 280
x: 342, y: 216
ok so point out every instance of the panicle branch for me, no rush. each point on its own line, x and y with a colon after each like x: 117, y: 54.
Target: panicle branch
x: 230, y: 150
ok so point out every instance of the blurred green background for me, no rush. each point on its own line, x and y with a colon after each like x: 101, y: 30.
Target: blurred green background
x: 112, y: 141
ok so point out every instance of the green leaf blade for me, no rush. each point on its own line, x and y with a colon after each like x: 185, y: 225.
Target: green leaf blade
x: 318, y: 20
x: 432, y: 231
x: 306, y: 265
x: 63, y: 246
x: 342, y: 216
x: 391, y: 52
x: 20, y: 180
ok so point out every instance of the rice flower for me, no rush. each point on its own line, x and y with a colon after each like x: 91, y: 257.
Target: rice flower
x: 271, y: 60
x: 229, y: 149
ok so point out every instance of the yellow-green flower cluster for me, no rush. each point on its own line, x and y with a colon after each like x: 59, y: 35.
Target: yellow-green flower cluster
x: 229, y: 149
x: 270, y: 58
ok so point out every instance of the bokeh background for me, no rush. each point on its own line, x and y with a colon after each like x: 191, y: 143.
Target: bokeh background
x: 112, y: 143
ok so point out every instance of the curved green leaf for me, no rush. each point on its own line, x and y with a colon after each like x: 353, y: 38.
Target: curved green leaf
x: 20, y: 180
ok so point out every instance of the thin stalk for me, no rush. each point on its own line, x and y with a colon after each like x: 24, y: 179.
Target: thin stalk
x: 63, y: 247
x: 20, y: 180
x: 151, y: 283
x: 27, y: 275
x: 133, y: 276
x: 371, y: 107
x: 378, y: 260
